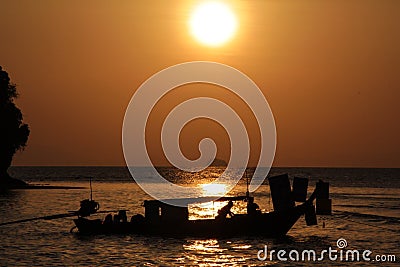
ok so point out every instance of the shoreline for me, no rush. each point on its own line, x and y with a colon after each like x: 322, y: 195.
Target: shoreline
x: 38, y: 186
x: 10, y: 186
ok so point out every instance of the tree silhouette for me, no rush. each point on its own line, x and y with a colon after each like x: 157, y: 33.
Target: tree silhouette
x: 14, y: 133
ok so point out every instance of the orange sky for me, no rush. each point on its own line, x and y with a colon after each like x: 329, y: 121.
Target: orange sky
x: 329, y: 70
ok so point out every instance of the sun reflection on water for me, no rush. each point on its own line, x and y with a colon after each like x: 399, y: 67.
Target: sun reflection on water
x: 204, y: 246
x: 213, y: 252
x: 213, y: 189
x: 208, y: 210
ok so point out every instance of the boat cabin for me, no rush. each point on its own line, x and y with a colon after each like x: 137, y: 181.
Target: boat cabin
x: 156, y: 211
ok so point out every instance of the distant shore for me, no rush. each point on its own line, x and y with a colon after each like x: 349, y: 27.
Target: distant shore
x: 12, y: 183
x: 38, y: 186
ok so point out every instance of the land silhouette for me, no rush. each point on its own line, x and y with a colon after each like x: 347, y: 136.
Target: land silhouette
x: 14, y: 133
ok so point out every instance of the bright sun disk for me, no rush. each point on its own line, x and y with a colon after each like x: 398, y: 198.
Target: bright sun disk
x: 213, y: 23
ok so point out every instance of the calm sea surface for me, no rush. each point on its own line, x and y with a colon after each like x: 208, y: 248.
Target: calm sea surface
x: 366, y: 213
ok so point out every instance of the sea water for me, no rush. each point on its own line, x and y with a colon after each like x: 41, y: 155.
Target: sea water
x: 366, y: 217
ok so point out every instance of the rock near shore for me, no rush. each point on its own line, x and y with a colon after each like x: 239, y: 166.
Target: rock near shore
x: 7, y: 182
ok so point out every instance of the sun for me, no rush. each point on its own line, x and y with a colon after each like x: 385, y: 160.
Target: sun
x: 213, y: 23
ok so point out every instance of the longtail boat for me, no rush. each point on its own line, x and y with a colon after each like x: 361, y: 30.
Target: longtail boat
x: 161, y: 219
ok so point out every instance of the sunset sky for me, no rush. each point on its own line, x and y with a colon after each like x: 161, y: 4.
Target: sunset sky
x: 330, y: 71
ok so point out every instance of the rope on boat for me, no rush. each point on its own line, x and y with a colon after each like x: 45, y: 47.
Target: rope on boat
x: 53, y: 217
x: 50, y: 217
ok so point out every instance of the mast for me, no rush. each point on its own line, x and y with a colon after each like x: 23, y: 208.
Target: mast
x: 247, y: 184
x: 91, y: 191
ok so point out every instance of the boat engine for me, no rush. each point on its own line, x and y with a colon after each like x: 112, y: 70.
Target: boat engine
x: 88, y: 207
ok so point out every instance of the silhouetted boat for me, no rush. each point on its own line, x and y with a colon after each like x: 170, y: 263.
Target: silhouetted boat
x: 166, y: 220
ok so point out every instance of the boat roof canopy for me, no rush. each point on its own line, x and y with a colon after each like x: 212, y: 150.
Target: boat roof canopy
x: 189, y: 201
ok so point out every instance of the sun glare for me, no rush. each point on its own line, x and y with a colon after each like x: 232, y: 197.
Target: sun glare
x: 213, y: 23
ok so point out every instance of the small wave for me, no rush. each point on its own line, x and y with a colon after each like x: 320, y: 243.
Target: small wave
x: 370, y: 217
x: 376, y: 197
x: 355, y: 206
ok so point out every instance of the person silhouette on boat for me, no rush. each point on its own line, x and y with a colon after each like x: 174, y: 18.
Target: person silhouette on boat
x: 252, y: 208
x: 108, y: 219
x: 120, y: 217
x: 225, y: 211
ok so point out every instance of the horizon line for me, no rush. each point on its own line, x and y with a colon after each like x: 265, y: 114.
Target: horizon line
x: 168, y: 166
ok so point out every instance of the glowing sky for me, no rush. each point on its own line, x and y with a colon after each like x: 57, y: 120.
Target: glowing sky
x: 329, y: 70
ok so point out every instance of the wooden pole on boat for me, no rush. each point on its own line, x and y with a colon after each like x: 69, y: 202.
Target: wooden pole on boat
x: 247, y: 183
x: 52, y: 217
x: 91, y: 191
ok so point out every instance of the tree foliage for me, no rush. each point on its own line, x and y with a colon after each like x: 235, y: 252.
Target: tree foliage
x: 14, y: 133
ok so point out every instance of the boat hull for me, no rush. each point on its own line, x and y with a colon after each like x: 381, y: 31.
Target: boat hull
x: 273, y: 224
